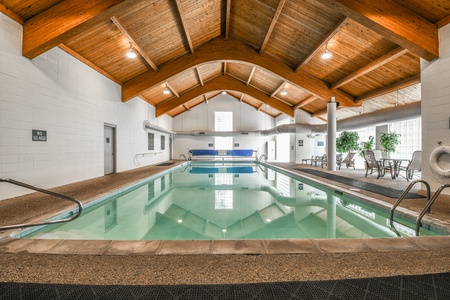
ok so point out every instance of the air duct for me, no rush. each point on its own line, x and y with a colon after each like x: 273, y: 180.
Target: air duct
x: 148, y: 125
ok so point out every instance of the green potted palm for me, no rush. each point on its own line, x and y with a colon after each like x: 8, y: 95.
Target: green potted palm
x: 347, y: 142
x: 388, y: 141
x: 366, y: 146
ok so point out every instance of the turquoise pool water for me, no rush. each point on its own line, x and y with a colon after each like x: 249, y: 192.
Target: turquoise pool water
x: 228, y: 201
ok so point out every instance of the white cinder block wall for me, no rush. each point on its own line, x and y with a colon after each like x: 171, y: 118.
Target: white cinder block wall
x: 72, y: 102
x: 201, y: 118
x: 435, y: 77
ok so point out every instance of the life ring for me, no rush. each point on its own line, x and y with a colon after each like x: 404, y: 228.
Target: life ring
x: 434, y: 166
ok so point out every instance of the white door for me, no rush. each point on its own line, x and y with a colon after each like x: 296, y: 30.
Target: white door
x: 109, y: 146
x: 271, y: 150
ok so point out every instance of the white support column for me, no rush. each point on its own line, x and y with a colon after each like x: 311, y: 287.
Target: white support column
x: 331, y: 135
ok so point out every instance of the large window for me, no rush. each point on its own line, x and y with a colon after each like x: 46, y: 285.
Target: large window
x: 410, y: 139
x: 223, y: 121
x: 151, y: 141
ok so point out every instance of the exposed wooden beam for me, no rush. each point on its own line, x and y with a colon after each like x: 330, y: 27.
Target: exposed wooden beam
x: 148, y: 100
x: 443, y: 22
x: 231, y: 50
x: 305, y: 102
x: 135, y: 42
x: 251, y: 75
x: 184, y: 24
x: 172, y: 90
x: 272, y: 25
x: 242, y: 98
x: 227, y: 19
x: 399, y: 51
x: 277, y: 89
x: 187, y: 107
x: 88, y: 63
x: 217, y: 84
x: 390, y: 88
x: 394, y: 22
x: 261, y: 106
x: 322, y: 43
x: 200, y: 79
x: 63, y: 21
x: 224, y: 68
x: 11, y: 14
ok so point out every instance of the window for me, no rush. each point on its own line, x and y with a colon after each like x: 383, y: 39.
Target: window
x: 151, y: 141
x: 410, y: 137
x: 163, y: 142
x: 223, y: 121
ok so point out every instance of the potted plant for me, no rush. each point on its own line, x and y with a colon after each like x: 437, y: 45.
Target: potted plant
x: 347, y: 142
x: 388, y: 141
x: 367, y: 145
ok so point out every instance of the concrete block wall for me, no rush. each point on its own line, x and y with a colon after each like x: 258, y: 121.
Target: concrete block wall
x: 72, y: 102
x: 435, y: 77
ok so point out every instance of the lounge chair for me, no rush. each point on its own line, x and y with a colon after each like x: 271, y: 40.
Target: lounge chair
x: 325, y: 161
x: 414, y: 165
x: 348, y: 161
x: 318, y: 160
x: 373, y: 165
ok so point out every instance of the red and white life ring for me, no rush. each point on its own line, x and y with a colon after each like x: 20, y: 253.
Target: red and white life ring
x: 434, y: 157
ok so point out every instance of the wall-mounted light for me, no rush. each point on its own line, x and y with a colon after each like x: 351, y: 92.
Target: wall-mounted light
x: 130, y: 53
x: 327, y: 54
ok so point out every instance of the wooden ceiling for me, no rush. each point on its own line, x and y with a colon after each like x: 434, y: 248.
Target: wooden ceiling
x: 253, y: 49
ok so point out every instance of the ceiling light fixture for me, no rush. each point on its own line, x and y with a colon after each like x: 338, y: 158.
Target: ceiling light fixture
x: 224, y: 92
x: 327, y: 53
x: 283, y: 92
x: 130, y: 53
x: 166, y: 91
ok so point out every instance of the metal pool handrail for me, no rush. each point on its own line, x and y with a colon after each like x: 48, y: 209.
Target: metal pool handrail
x: 403, y: 195
x: 64, y: 197
x: 427, y: 207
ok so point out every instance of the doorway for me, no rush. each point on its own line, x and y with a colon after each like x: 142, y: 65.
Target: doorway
x: 109, y: 143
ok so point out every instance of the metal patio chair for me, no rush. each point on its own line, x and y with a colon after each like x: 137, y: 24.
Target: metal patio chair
x: 348, y: 161
x: 373, y: 165
x: 414, y: 165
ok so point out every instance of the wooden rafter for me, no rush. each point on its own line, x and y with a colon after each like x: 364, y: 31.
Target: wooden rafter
x: 443, y: 22
x: 137, y: 45
x: 184, y: 24
x: 220, y: 49
x: 227, y: 19
x: 390, y: 88
x: 241, y: 98
x: 187, y: 107
x: 322, y: 43
x: 172, y: 90
x: 305, y: 102
x: 199, y: 76
x: 224, y: 68
x: 88, y: 63
x: 217, y: 84
x: 251, y: 75
x: 11, y: 14
x: 278, y: 89
x: 65, y: 20
x: 272, y: 25
x: 394, y: 22
x: 399, y: 51
x: 261, y: 106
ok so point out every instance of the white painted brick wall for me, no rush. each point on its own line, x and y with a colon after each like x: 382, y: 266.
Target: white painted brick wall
x: 435, y: 77
x: 57, y: 93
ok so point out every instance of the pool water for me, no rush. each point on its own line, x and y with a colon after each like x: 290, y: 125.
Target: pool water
x: 213, y: 201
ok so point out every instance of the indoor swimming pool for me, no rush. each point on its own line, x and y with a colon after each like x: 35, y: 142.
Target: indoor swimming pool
x: 228, y: 201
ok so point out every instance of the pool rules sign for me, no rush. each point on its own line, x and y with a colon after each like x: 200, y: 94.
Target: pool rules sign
x: 39, y: 135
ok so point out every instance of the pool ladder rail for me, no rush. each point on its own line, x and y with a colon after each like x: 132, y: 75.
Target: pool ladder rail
x: 427, y: 207
x: 64, y: 197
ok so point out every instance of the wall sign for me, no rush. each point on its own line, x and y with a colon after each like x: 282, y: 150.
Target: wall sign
x: 300, y: 143
x: 320, y: 144
x: 39, y: 135
x: 210, y: 145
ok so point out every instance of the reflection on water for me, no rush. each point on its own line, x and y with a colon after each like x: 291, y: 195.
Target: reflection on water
x: 228, y: 201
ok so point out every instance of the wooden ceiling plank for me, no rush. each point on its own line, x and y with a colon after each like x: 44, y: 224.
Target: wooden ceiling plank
x: 221, y: 49
x: 135, y: 42
x: 394, y: 22
x: 172, y: 90
x: 397, y: 52
x: 272, y: 25
x: 199, y: 76
x: 88, y: 63
x: 63, y: 21
x: 443, y: 22
x: 185, y: 26
x: 251, y: 75
x: 322, y: 43
x: 217, y: 84
x: 390, y: 88
x: 227, y: 19
x: 305, y: 102
x: 278, y: 89
x: 5, y: 10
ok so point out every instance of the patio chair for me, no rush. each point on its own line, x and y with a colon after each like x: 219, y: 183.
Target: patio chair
x: 414, y: 165
x: 325, y: 161
x: 373, y: 165
x: 319, y: 160
x: 348, y: 161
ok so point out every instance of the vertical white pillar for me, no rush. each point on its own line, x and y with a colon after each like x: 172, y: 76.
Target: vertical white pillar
x: 331, y: 135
